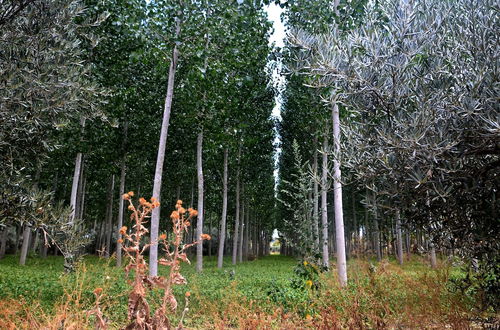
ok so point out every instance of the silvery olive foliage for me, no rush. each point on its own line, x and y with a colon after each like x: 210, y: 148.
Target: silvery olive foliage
x: 45, y: 87
x: 45, y: 84
x: 419, y: 85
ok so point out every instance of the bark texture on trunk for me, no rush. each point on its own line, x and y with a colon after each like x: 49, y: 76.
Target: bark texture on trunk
x: 76, y: 178
x: 25, y: 246
x: 240, y: 247
x: 74, y: 186
x: 237, y: 217
x: 199, y: 223
x: 121, y: 202
x: 324, y: 209
x: 120, y: 213
x: 376, y: 234
x: 315, y: 197
x: 399, y: 238
x: 155, y: 216
x: 337, y: 199
x: 222, y: 235
x: 245, y: 238
x: 433, y: 255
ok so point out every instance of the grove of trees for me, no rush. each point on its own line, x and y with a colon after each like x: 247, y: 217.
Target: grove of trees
x: 389, y: 137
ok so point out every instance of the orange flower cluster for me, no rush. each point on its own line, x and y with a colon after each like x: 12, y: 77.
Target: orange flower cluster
x: 123, y: 230
x: 128, y: 195
x: 205, y: 237
x: 192, y: 212
x: 163, y: 236
x: 142, y: 201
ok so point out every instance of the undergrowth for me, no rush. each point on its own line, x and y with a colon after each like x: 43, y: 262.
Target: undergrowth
x: 261, y: 294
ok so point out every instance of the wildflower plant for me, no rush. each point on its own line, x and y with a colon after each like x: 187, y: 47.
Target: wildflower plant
x: 139, y: 312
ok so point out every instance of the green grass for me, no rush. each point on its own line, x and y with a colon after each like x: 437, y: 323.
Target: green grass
x: 261, y: 293
x: 42, y: 281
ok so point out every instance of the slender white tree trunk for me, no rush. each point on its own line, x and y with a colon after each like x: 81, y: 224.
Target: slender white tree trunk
x: 337, y: 199
x: 431, y: 244
x: 245, y: 238
x: 315, y: 197
x: 240, y: 248
x: 120, y: 194
x: 376, y: 228
x: 199, y: 223
x: 236, y: 220
x: 120, y: 213
x: 155, y: 216
x: 324, y: 210
x: 237, y: 217
x: 25, y: 245
x: 76, y: 178
x: 74, y: 186
x: 399, y: 238
x: 222, y: 236
x: 433, y: 256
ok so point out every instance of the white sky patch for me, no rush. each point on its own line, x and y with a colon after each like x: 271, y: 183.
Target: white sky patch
x: 277, y: 40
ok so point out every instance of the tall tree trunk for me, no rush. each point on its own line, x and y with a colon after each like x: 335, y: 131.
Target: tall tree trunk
x: 315, y: 197
x: 245, y: 238
x: 376, y: 228
x: 337, y: 199
x: 76, y: 179
x: 237, y: 217
x: 155, y: 216
x: 199, y: 224
x: 222, y: 236
x: 109, y: 227
x: 324, y: 209
x: 240, y: 247
x: 399, y: 238
x: 121, y: 191
x: 74, y: 186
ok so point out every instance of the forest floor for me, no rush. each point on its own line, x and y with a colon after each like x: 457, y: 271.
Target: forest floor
x: 274, y: 292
